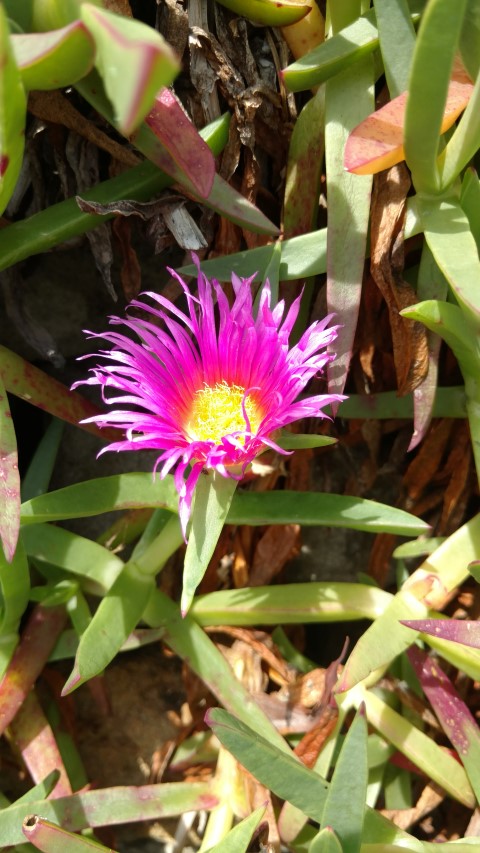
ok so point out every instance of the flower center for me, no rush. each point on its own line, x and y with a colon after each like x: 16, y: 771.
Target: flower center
x: 217, y: 411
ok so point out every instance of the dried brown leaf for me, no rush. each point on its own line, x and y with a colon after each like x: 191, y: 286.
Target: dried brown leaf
x: 427, y: 462
x: 410, y: 346
x: 381, y: 556
x: 312, y: 743
x: 130, y: 270
x: 278, y: 545
x: 429, y: 799
x: 56, y: 108
x: 460, y: 467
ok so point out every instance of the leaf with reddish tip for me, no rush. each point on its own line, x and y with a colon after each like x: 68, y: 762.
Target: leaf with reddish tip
x: 13, y: 109
x: 134, y: 61
x: 452, y: 712
x: 54, y: 59
x: 110, y: 806
x: 174, y: 137
x: 221, y: 197
x: 269, y: 13
x: 464, y: 631
x: 377, y: 142
x: 36, y: 387
x: 9, y: 478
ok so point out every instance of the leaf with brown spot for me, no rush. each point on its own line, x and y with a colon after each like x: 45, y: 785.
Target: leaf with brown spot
x: 410, y: 346
x: 9, y: 478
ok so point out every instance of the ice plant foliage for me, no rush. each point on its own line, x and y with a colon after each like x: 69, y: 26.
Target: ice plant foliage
x: 210, y: 388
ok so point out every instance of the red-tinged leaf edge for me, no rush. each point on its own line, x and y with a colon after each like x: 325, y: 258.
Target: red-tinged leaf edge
x: 463, y: 631
x: 174, y: 130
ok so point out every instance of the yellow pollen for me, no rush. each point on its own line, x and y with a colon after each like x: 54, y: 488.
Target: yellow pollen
x: 217, y: 411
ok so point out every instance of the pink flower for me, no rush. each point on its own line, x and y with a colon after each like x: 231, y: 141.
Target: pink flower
x: 211, y: 387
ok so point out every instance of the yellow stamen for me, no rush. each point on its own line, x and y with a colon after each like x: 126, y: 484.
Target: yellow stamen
x: 217, y: 411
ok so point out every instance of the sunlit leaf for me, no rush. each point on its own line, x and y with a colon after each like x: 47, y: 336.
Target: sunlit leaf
x: 134, y: 61
x: 454, y: 716
x: 283, y: 774
x: 48, y: 836
x: 378, y: 142
x: 213, y: 497
x: 358, y: 39
x: 114, y: 620
x: 270, y: 13
x: 54, y: 59
x: 122, y: 491
x: 13, y: 108
x: 109, y: 806
x: 432, y: 68
x: 239, y: 838
x: 344, y: 808
x: 397, y: 41
x: 464, y: 631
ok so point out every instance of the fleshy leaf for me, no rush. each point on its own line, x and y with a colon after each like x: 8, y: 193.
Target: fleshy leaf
x: 55, y: 59
x: 9, y: 477
x: 221, y: 197
x: 34, y: 738
x: 292, y: 603
x: 45, y: 835
x: 287, y: 777
x: 134, y: 61
x: 325, y: 841
x: 382, y: 641
x: 397, y: 42
x: 36, y: 387
x: 239, y: 838
x: 377, y: 142
x: 447, y: 232
x: 433, y: 67
x: 455, y: 718
x: 31, y: 655
x: 344, y: 808
x: 13, y: 110
x: 348, y: 97
x: 174, y: 135
x: 109, y: 806
x: 14, y: 589
x: 277, y: 507
x: 213, y: 496
x: 299, y: 441
x: 464, y: 631
x: 116, y: 617
x: 269, y: 13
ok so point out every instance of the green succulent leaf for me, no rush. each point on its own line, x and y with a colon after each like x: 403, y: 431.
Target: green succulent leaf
x: 54, y: 59
x: 134, y: 61
x: 13, y: 109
